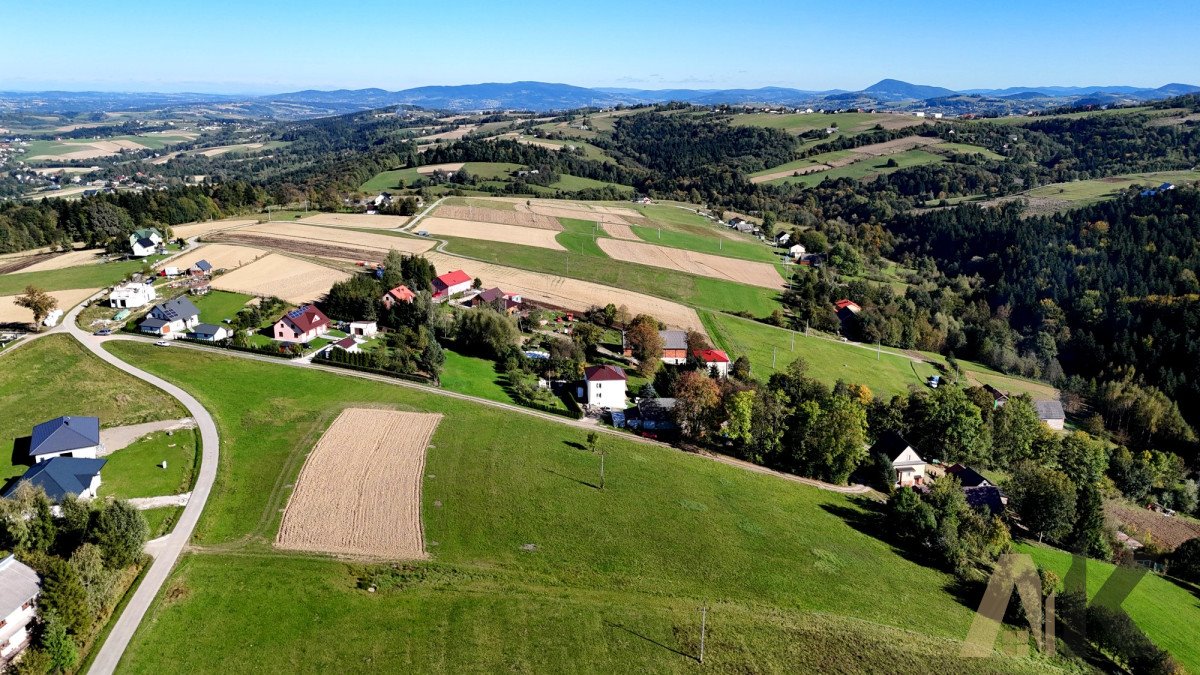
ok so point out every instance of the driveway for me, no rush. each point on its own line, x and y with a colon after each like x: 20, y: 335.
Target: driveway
x: 117, y: 438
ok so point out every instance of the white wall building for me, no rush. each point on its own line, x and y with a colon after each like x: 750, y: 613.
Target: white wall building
x: 19, y: 586
x: 132, y: 295
x: 605, y: 387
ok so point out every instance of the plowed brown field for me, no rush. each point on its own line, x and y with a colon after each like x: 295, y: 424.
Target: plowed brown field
x: 359, y: 493
x: 715, y: 266
x: 503, y: 217
x: 510, y: 234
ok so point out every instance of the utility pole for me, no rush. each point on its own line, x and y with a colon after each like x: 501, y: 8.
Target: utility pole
x: 772, y: 358
x: 877, y: 350
x: 703, y: 629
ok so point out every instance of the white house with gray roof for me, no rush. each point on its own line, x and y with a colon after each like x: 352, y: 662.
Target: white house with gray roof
x: 19, y: 587
x: 65, y: 437
x: 172, y: 318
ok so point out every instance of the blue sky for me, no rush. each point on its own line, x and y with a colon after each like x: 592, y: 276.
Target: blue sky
x: 250, y: 46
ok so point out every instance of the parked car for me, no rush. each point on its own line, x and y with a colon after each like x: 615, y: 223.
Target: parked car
x: 103, y: 331
x: 163, y: 343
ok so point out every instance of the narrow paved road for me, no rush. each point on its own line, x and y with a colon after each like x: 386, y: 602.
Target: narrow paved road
x: 172, y: 545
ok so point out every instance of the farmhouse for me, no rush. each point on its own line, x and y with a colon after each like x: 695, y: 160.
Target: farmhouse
x: 400, y: 293
x: 19, y: 586
x: 910, y: 468
x: 508, y: 303
x: 131, y: 295
x: 967, y: 476
x: 201, y: 268
x: 301, y: 325
x: 846, y: 309
x: 173, y: 317
x: 62, y: 476
x: 210, y: 332
x: 797, y: 251
x: 363, y: 328
x: 65, y: 437
x: 713, y: 360
x: 605, y: 386
x: 144, y: 242
x: 451, y: 283
x: 1051, y: 414
x: 674, y: 346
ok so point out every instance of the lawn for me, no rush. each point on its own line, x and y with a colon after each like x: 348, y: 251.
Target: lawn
x: 868, y: 167
x: 134, y: 471
x: 1084, y: 192
x: 162, y: 520
x: 614, y: 578
x: 569, y: 183
x: 54, y: 376
x: 401, y: 178
x: 83, y: 276
x: 473, y: 376
x: 967, y: 149
x: 712, y: 242
x: 885, y: 373
x: 579, y: 236
x: 1168, y: 612
x: 688, y: 289
x: 216, y: 306
x: 806, y: 162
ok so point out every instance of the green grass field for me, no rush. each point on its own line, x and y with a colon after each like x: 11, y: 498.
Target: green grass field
x: 162, y: 520
x: 401, y: 178
x: 797, y: 164
x: 745, y: 248
x: 1166, y: 611
x: 216, y: 306
x: 54, y: 376
x: 579, y: 236
x: 847, y: 123
x: 828, y: 360
x: 54, y: 148
x: 133, y: 471
x: 869, y: 167
x: 569, y: 183
x: 685, y: 288
x: 1084, y: 192
x: 613, y: 582
x: 83, y: 276
x: 473, y: 376
x: 967, y: 149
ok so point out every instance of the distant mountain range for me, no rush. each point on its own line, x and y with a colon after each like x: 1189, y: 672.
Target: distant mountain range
x: 544, y: 96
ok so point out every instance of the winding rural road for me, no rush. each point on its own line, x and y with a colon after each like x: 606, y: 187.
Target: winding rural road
x: 172, y: 545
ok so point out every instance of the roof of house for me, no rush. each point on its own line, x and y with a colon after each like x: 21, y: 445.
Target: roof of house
x: 402, y: 293
x: 203, y: 265
x: 492, y: 295
x: 967, y: 476
x: 306, y: 318
x: 656, y: 409
x: 996, y: 393
x: 63, y: 434
x: 18, y: 583
x: 452, y: 279
x: 985, y: 495
x: 1050, y: 410
x: 346, y: 342
x: 208, y: 328
x: 890, y: 444
x: 711, y: 356
x: 176, y: 309
x: 152, y: 323
x: 62, y: 476
x: 847, y: 304
x: 673, y: 339
x: 146, y: 233
x: 142, y: 242
x: 603, y: 373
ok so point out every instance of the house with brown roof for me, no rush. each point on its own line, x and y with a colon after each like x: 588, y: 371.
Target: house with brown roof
x: 301, y: 325
x: 508, y: 303
x: 605, y: 386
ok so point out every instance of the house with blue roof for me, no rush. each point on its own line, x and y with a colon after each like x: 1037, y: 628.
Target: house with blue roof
x: 62, y: 476
x: 171, y: 318
x: 65, y: 437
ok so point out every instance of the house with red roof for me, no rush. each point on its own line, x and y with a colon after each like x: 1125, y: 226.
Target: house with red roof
x: 713, y: 360
x: 400, y: 293
x: 451, y: 283
x: 301, y: 325
x: 846, y: 309
x: 605, y: 386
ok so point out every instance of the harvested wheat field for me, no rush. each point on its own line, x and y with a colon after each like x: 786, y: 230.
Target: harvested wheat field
x: 453, y: 134
x: 703, y: 264
x: 189, y: 230
x: 222, y: 149
x: 510, y: 234
x: 891, y: 147
x: 501, y: 216
x: 288, y: 278
x: 69, y: 259
x: 450, y: 167
x: 802, y: 171
x: 11, y: 313
x: 620, y: 231
x: 334, y: 235
x: 569, y: 293
x: 359, y: 492
x: 362, y: 220
x: 222, y: 256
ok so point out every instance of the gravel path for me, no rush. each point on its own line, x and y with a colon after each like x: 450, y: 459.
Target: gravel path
x: 117, y: 438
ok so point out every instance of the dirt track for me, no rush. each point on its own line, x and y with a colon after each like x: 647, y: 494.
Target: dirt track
x: 359, y: 493
x: 703, y: 264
